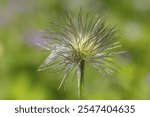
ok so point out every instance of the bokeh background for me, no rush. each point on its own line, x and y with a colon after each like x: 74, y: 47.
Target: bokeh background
x: 20, y: 24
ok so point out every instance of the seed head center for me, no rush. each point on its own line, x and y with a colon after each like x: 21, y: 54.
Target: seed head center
x: 82, y: 46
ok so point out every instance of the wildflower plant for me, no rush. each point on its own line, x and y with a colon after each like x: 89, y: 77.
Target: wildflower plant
x: 85, y: 40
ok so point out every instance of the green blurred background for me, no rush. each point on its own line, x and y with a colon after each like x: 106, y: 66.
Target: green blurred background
x: 20, y: 22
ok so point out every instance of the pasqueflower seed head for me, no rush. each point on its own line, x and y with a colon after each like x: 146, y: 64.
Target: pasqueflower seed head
x: 85, y: 40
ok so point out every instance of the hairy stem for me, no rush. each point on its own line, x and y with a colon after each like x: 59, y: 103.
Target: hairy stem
x: 80, y: 78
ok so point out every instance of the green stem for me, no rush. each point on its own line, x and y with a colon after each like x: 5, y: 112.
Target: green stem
x: 81, y: 78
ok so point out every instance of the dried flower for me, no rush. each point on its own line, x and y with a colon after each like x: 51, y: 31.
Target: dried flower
x: 87, y: 40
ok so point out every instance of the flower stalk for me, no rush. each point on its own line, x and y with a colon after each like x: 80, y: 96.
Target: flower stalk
x: 80, y: 78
